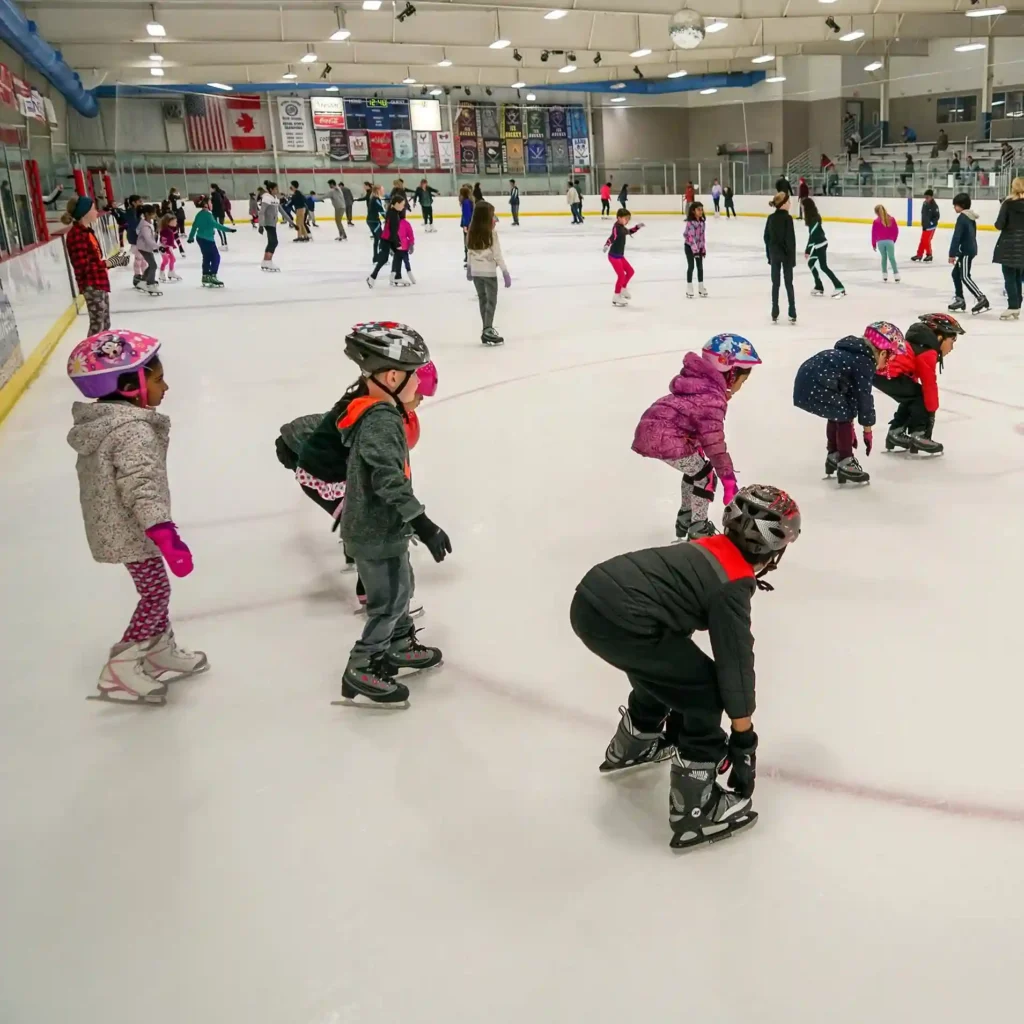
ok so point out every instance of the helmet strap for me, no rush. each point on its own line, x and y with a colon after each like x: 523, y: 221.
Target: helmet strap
x: 141, y: 392
x: 397, y: 391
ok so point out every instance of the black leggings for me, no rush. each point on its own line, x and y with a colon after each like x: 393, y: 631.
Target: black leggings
x: 911, y: 412
x: 606, y: 206
x: 428, y: 214
x: 786, y: 271
x: 388, y: 251
x: 271, y: 240
x: 819, y: 261
x: 729, y: 208
x: 691, y: 259
x: 671, y: 678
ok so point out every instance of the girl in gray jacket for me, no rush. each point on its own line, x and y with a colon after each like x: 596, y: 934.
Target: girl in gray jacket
x: 121, y: 441
x: 147, y: 246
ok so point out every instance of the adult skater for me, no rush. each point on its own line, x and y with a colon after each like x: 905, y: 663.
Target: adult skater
x: 513, y: 201
x: 606, y: 200
x: 639, y: 611
x: 349, y: 202
x: 219, y: 210
x: 572, y: 197
x: 730, y: 205
x: 478, y: 196
x: 780, y: 248
x: 624, y: 197
x: 270, y: 212
x: 816, y: 252
x: 424, y: 195
x: 783, y: 185
x: 1009, y: 249
x: 337, y: 198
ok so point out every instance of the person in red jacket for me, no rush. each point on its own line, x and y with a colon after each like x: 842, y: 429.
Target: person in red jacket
x: 88, y: 262
x: 910, y: 378
x: 803, y: 192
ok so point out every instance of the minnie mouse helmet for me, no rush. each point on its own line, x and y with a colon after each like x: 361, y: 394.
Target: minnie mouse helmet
x: 96, y: 364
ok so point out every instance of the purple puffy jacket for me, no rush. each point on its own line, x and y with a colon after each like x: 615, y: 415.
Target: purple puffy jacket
x: 689, y: 421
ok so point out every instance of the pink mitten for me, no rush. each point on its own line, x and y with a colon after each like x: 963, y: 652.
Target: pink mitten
x: 729, y: 489
x: 172, y: 547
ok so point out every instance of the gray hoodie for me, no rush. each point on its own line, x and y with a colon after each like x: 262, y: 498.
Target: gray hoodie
x: 122, y: 477
x: 379, y: 501
x: 338, y: 199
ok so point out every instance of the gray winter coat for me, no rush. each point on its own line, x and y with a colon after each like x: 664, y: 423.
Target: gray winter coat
x: 122, y: 477
x: 147, y: 236
x: 379, y: 501
x: 338, y: 199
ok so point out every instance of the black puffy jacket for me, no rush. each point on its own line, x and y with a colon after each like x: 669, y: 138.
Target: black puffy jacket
x: 1010, y: 243
x: 780, y: 238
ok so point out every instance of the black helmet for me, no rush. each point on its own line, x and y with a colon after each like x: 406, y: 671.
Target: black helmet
x: 942, y: 323
x: 761, y: 520
x: 386, y: 345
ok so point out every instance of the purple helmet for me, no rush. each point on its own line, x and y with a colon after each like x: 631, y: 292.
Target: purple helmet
x: 886, y: 337
x: 726, y: 352
x: 96, y: 364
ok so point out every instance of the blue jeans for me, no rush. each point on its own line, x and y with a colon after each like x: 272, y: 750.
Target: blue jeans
x: 887, y: 250
x: 211, y: 256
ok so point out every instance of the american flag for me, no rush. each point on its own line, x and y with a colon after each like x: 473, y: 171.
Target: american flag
x: 206, y: 123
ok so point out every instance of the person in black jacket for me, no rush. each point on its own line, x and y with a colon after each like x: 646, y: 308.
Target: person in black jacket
x: 1009, y: 249
x: 962, y: 249
x: 780, y: 248
x: 388, y: 248
x: 929, y: 222
x: 219, y: 210
x: 783, y: 185
x: 639, y: 611
x: 727, y: 196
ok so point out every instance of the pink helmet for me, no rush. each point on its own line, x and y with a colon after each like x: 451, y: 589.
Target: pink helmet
x: 886, y: 337
x: 427, y: 374
x: 96, y: 364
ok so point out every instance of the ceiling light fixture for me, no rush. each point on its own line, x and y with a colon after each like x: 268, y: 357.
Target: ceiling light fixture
x: 782, y: 78
x: 967, y: 47
x: 446, y: 63
x: 567, y: 69
x: 436, y: 92
x: 985, y: 12
x: 157, y: 72
x: 544, y: 54
x: 289, y: 74
x: 372, y: 5
x: 851, y: 36
x: 618, y: 99
x: 707, y: 92
x: 153, y: 27
x: 875, y: 65
x: 677, y: 74
x: 309, y: 57
x: 158, y: 57
x: 618, y: 85
x: 555, y: 14
x: 765, y: 58
x: 518, y: 85
x: 531, y: 96
x: 220, y: 85
x: 826, y: 1
x: 716, y: 26
x: 642, y: 52
x: 408, y: 80
x: 331, y: 88
x: 500, y: 44
x: 831, y: 23
x: 341, y: 33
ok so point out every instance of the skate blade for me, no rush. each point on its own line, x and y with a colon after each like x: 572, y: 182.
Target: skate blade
x: 412, y: 668
x: 739, y: 824
x: 104, y: 697
x: 607, y: 768
x: 366, y: 704
x: 414, y: 613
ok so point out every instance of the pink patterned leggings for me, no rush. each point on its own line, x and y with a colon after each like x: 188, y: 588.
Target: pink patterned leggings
x: 167, y: 263
x: 151, y: 614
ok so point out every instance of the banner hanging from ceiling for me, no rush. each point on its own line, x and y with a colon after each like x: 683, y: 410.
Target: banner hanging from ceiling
x: 424, y: 149
x: 445, y: 150
x: 402, y: 138
x: 382, y: 152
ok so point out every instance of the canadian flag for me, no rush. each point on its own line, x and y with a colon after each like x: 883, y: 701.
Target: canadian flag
x: 245, y: 122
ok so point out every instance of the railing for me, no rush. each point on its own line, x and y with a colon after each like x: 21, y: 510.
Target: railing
x: 800, y: 166
x: 990, y: 185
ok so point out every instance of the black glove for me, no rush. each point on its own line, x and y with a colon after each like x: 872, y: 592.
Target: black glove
x: 261, y: 229
x: 433, y: 536
x: 743, y: 758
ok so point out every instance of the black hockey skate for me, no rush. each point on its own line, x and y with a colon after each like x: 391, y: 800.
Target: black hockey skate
x: 408, y: 653
x: 851, y: 471
x: 921, y: 443
x: 928, y: 259
x: 956, y: 305
x: 831, y: 464
x: 631, y: 748
x: 701, y: 528
x: 897, y: 438
x: 372, y: 685
x: 980, y: 306
x: 700, y: 811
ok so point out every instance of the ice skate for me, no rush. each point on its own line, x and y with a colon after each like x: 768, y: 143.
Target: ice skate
x: 818, y: 293
x: 215, y: 281
x: 370, y: 282
x: 124, y: 679
x: 885, y: 279
x: 897, y: 438
x: 980, y: 306
x: 831, y: 464
x: 269, y: 267
x: 700, y: 811
x: 839, y: 293
x: 1010, y: 314
x: 491, y: 337
x: 689, y: 290
x: 401, y: 283
x: 631, y: 748
x: 206, y: 280
x: 915, y: 259
x: 139, y: 284
x: 408, y: 653
x: 153, y: 289
x: 684, y: 517
x: 957, y: 304
x: 172, y: 276
x: 392, y: 280
x: 411, y: 279
x: 850, y: 471
x: 896, y: 278
x: 372, y: 685
x: 792, y: 318
x: 163, y: 277
x: 618, y: 300
x: 701, y: 528
x: 702, y: 291
x: 928, y: 259
x: 625, y: 294
x: 166, y: 662
x: 921, y: 443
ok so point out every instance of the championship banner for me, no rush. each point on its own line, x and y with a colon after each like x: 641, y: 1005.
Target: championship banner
x: 559, y: 154
x: 445, y: 150
x: 536, y: 156
x: 556, y: 123
x: 577, y: 123
x: 467, y: 155
x: 6, y: 86
x: 465, y: 123
x: 487, y: 114
x: 512, y: 156
x: 535, y: 123
x: 22, y: 95
x: 296, y: 127
x: 424, y: 149
x: 382, y: 152
x: 337, y: 146
x: 512, y: 122
x: 402, y: 138
x: 581, y: 152
x: 35, y: 105
x: 492, y: 156
x: 358, y: 145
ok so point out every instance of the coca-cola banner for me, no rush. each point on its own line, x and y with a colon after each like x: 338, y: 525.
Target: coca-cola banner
x: 382, y: 152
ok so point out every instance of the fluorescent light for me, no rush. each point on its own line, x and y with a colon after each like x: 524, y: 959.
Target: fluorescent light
x: 154, y: 28
x: 157, y: 72
x: 408, y: 81
x: 446, y: 63
x: 707, y: 92
x: 371, y: 5
x: 220, y: 85
x: 996, y: 103
x: 776, y: 78
x: 618, y: 99
x: 290, y: 75
x: 765, y: 58
x: 875, y: 65
x: 567, y: 70
x: 642, y: 52
x: 716, y: 26
x: 518, y: 85
x: 331, y: 88
x: 555, y: 14
x: 985, y: 12
x: 340, y: 36
x: 436, y: 92
x: 308, y: 58
x: 677, y: 74
x: 618, y: 85
x: 500, y: 44
x: 826, y: 1
x: 530, y: 96
x: 967, y: 47
x: 158, y: 57
x: 850, y: 36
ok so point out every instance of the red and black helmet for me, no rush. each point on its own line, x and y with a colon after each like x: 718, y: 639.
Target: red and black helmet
x: 941, y: 323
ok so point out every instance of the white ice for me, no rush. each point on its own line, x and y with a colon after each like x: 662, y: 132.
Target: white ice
x: 251, y: 854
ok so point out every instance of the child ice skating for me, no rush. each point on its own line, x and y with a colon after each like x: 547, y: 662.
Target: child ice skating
x: 147, y: 246
x: 381, y: 513
x: 466, y: 205
x: 270, y: 214
x: 836, y: 385
x: 716, y: 196
x: 686, y: 428
x: 963, y: 248
x: 910, y: 379
x: 485, y: 260
x: 206, y: 228
x: 695, y: 244
x: 639, y: 611
x: 780, y: 248
x: 615, y: 247
x: 727, y: 197
x: 391, y: 243
x: 168, y: 245
x: 86, y: 257
x: 121, y: 442
x: 884, y: 232
x: 816, y: 252
x: 424, y: 195
x: 929, y: 222
x: 606, y: 200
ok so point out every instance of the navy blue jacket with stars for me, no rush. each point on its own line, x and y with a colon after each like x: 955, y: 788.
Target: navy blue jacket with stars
x: 836, y: 384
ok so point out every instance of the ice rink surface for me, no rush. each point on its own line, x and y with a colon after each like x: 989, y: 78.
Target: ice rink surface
x: 251, y: 854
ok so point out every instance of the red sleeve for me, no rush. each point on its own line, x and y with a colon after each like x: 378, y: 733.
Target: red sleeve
x: 929, y: 385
